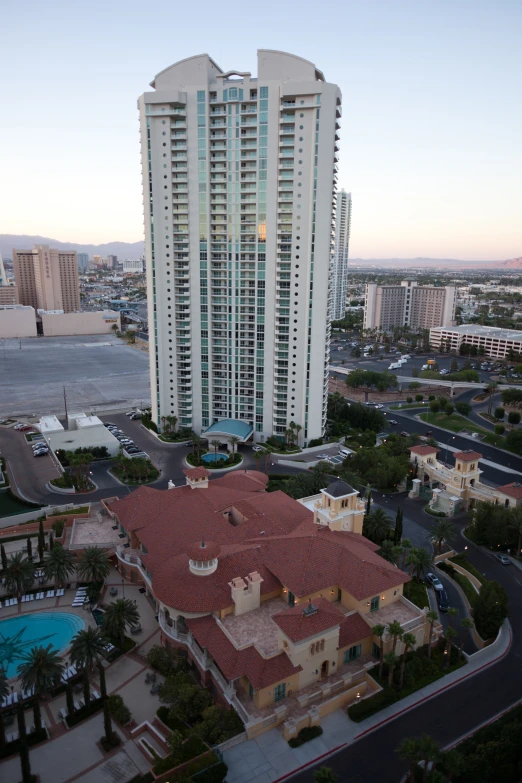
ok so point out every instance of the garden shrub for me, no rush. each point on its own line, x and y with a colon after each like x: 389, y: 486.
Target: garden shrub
x: 119, y: 709
x: 165, y: 660
x: 219, y: 724
x: 305, y: 735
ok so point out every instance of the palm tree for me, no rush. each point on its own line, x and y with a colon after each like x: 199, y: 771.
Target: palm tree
x: 379, y: 630
x: 19, y: 575
x: 396, y: 632
x: 387, y: 550
x: 441, y: 531
x: 391, y: 661
x: 377, y: 526
x: 452, y: 612
x: 465, y: 625
x: 39, y: 669
x: 411, y: 559
x: 431, y: 616
x: 450, y: 634
x: 405, y: 544
x: 452, y: 762
x: 428, y: 751
x: 59, y: 564
x: 4, y: 693
x: 87, y: 648
x: 423, y: 561
x: 107, y: 723
x: 94, y: 565
x: 490, y: 391
x: 409, y: 750
x: 25, y: 761
x: 196, y: 443
x: 233, y: 440
x: 258, y: 456
x: 409, y: 640
x: 215, y: 444
x: 118, y: 615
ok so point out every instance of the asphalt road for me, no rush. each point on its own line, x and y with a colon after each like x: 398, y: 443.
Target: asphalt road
x: 451, y: 714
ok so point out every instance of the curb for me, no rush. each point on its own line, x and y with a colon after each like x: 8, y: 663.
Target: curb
x: 311, y: 763
x: 442, y: 690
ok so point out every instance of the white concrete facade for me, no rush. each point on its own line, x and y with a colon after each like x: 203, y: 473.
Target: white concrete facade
x: 17, y: 321
x: 343, y: 219
x: 408, y: 304
x: 134, y: 266
x: 238, y: 180
x: 84, y: 432
x: 496, y: 342
x: 97, y: 322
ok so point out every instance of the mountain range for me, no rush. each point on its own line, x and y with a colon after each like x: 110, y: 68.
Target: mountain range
x: 25, y: 242
x: 137, y: 249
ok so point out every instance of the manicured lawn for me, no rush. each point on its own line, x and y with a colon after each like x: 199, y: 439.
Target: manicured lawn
x: 417, y: 593
x: 407, y: 405
x: 455, y: 422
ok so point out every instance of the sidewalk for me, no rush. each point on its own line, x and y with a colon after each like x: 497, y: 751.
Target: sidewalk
x: 269, y: 757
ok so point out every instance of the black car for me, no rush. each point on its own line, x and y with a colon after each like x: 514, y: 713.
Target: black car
x: 442, y: 600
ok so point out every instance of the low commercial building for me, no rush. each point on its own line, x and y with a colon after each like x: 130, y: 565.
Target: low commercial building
x: 487, y: 340
x: 17, y: 321
x: 61, y: 324
x: 275, y: 600
x: 408, y: 304
x: 83, y: 432
x: 8, y: 294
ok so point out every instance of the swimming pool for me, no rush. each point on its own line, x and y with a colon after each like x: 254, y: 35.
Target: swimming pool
x: 18, y: 635
x: 211, y: 457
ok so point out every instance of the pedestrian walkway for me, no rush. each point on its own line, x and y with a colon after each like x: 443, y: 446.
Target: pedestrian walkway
x: 269, y: 757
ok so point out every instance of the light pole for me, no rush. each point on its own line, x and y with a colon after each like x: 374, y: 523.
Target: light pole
x: 123, y: 588
x: 452, y: 438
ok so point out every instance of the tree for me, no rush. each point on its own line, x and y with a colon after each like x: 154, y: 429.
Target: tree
x: 87, y: 648
x: 258, y: 456
x: 18, y: 575
x: 395, y: 630
x: 51, y: 542
x: 490, y: 391
x: 215, y: 444
x: 441, y: 531
x: 465, y: 625
x: 379, y: 630
x: 4, y: 693
x: 409, y: 640
x: 450, y: 635
x: 429, y: 751
x: 405, y: 544
x: 39, y: 669
x: 25, y: 762
x: 397, y: 536
x: 387, y: 550
x: 391, y: 661
x: 41, y: 541
x: 490, y: 609
x: 514, y: 417
x: 499, y: 412
x: 454, y: 365
x: 119, y: 615
x: 434, y: 406
x: 111, y: 738
x: 448, y: 408
x: 499, y: 429
x: 59, y: 564
x: 431, y: 616
x: 419, y: 397
x: 29, y: 549
x: 409, y: 750
x: 463, y: 408
x: 325, y: 775
x: 94, y: 565
x: 377, y: 526
x: 3, y: 557
x: 233, y: 440
x: 423, y: 561
x: 452, y: 612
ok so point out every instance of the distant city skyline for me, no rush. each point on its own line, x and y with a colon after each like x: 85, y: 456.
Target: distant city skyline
x: 429, y: 135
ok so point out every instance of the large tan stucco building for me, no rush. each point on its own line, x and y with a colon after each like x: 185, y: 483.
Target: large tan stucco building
x: 274, y: 600
x: 8, y: 295
x: 17, y: 321
x: 47, y: 279
x: 408, y: 304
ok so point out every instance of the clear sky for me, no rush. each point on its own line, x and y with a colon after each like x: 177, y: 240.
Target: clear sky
x: 431, y: 129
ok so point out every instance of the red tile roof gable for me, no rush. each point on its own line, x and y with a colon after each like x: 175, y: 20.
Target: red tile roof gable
x: 303, y: 621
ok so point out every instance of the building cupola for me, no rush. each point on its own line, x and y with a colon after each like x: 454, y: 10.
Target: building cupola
x: 203, y: 558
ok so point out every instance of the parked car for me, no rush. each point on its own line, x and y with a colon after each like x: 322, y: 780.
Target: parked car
x: 135, y: 416
x: 435, y: 581
x: 109, y: 424
x: 257, y: 448
x: 25, y: 428
x: 129, y: 413
x: 503, y: 559
x: 442, y: 600
x: 379, y: 405
x: 392, y: 421
x: 41, y: 453
x: 405, y: 434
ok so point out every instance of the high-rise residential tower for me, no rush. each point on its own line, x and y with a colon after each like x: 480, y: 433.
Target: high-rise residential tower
x: 47, y: 279
x: 83, y: 262
x: 238, y: 181
x: 340, y: 258
x: 408, y: 304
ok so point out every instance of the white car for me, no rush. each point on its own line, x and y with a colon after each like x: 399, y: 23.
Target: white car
x: 257, y: 448
x: 379, y: 405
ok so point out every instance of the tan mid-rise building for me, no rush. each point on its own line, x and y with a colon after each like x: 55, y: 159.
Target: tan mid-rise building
x: 408, y: 304
x: 47, y: 279
x: 8, y: 295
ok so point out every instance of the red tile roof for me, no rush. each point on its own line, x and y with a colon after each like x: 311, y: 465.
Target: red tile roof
x: 234, y: 663
x: 467, y: 456
x: 424, y: 450
x: 203, y: 551
x: 301, y: 622
x: 197, y: 473
x: 353, y: 629
x: 514, y: 490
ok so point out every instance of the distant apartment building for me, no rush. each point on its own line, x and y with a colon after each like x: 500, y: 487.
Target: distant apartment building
x: 47, y: 279
x: 408, y: 304
x: 8, y: 291
x: 134, y: 267
x: 112, y: 262
x: 488, y: 340
x: 340, y: 259
x: 83, y: 262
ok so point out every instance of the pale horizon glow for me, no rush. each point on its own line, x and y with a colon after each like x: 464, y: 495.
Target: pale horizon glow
x: 430, y: 134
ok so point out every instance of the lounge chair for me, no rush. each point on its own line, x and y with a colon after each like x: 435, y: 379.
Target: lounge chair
x: 31, y: 597
x: 78, y: 704
x: 61, y: 591
x: 24, y: 598
x: 39, y: 596
x: 95, y: 695
x: 14, y: 601
x: 12, y: 737
x: 136, y: 629
x: 63, y: 713
x: 73, y: 670
x: 50, y: 594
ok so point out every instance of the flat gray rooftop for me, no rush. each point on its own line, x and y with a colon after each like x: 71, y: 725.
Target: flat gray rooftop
x: 98, y: 372
x: 481, y: 331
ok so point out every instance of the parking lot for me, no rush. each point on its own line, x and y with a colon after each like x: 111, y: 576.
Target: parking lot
x: 97, y: 371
